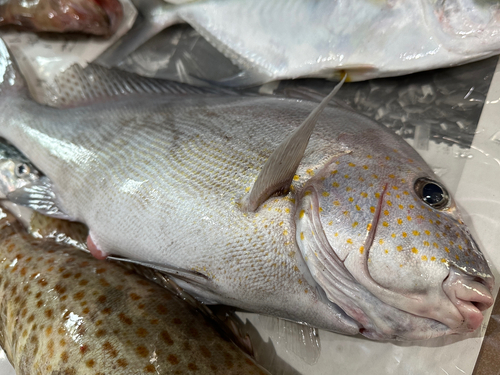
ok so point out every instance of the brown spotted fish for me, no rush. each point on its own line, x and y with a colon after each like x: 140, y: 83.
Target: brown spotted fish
x: 64, y: 312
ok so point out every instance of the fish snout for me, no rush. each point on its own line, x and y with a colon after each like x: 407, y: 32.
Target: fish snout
x: 471, y: 295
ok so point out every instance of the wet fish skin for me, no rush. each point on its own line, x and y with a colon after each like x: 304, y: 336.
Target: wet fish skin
x: 66, y: 312
x: 158, y: 178
x: 369, y: 39
x: 97, y: 17
x: 15, y: 170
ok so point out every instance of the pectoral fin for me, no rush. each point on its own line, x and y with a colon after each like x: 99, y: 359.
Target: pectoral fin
x: 279, y: 169
x: 39, y: 196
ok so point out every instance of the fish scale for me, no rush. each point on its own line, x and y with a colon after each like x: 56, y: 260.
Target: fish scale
x: 66, y: 312
x: 163, y: 179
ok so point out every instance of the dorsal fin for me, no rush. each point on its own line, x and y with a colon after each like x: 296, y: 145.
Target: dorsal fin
x: 278, y: 171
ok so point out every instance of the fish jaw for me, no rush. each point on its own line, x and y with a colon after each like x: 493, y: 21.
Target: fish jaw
x: 438, y: 292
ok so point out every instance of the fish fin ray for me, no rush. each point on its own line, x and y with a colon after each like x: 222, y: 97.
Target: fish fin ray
x: 278, y: 171
x: 39, y: 196
x: 179, y: 273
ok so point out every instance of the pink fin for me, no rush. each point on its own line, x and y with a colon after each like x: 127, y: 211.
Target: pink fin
x: 94, y: 250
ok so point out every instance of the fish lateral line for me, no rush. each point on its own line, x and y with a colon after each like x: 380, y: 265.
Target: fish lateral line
x: 277, y: 173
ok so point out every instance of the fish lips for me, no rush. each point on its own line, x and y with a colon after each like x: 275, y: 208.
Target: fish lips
x: 452, y: 307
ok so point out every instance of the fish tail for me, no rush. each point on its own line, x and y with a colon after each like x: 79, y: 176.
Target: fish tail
x: 11, y: 80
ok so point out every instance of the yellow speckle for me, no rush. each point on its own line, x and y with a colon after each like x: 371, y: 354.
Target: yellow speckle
x: 457, y: 257
x: 287, y: 210
x: 426, y: 243
x: 247, y: 189
x: 400, y: 221
x: 395, y: 187
x: 301, y: 214
x: 385, y: 224
x: 388, y: 193
x: 427, y: 233
x: 336, y: 234
x: 430, y: 221
x: 369, y: 156
x: 405, y: 192
x: 368, y: 227
x: 404, y: 234
x: 320, y: 209
x: 307, y: 193
x: 358, y: 208
x: 361, y: 179
x: 374, y: 176
x: 401, y: 265
x: 386, y: 213
x: 351, y: 199
x: 416, y: 233
x: 387, y: 158
x: 325, y: 194
x: 336, y: 203
x: 443, y: 260
x: 460, y: 247
x: 346, y: 213
x: 355, y: 224
x: 408, y: 218
x: 281, y: 223
x: 306, y: 291
x: 351, y: 165
x: 381, y: 241
x: 349, y: 241
x: 296, y: 177
x: 372, y: 209
x: 400, y: 206
x: 438, y: 235
x: 285, y: 233
x: 377, y: 195
x: 433, y: 259
x: 302, y: 235
x: 365, y: 167
x: 348, y: 188
x: 424, y: 257
x: 411, y: 206
x: 391, y: 176
x: 335, y: 184
x: 386, y: 251
x: 364, y: 195
x: 414, y: 250
x: 435, y: 245
x: 399, y: 248
x: 389, y: 203
x: 300, y: 281
x: 346, y: 176
x: 403, y: 181
x: 446, y: 249
x: 334, y: 172
x: 310, y: 172
x: 361, y: 249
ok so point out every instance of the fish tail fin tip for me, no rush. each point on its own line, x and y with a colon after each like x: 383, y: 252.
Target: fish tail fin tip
x: 11, y: 79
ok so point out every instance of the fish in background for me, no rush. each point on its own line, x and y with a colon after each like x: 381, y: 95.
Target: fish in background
x: 283, y: 39
x: 367, y: 239
x: 97, y: 17
x: 66, y: 312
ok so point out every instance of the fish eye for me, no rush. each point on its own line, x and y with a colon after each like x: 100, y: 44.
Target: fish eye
x: 432, y: 193
x: 22, y: 170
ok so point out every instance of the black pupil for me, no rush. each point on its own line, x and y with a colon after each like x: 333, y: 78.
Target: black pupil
x: 21, y: 169
x: 432, y: 194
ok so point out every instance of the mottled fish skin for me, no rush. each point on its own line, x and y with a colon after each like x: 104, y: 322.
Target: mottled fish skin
x: 97, y: 17
x: 159, y: 178
x: 64, y: 312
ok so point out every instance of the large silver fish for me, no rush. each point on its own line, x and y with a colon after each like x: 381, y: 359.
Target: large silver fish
x: 366, y: 240
x: 64, y: 312
x: 282, y: 39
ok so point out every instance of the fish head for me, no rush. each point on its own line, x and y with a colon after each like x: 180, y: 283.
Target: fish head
x: 16, y: 170
x: 383, y: 238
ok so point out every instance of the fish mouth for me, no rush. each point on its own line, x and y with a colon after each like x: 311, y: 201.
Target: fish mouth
x: 452, y: 306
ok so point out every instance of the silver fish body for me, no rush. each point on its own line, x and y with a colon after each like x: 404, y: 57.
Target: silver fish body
x: 273, y: 40
x: 159, y: 178
x: 64, y: 312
